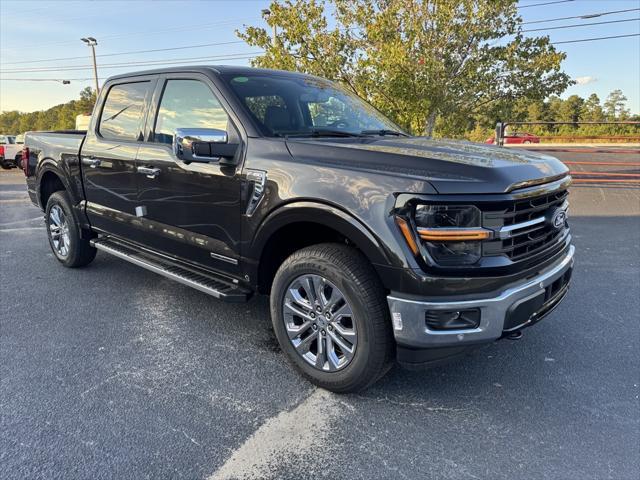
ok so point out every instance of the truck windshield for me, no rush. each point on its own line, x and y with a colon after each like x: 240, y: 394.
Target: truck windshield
x: 292, y: 105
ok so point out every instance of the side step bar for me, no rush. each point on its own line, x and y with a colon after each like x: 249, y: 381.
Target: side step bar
x: 205, y: 282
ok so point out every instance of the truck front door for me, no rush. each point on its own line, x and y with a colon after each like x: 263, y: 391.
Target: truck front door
x: 191, y: 210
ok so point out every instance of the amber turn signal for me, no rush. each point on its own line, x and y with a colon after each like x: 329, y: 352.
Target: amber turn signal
x: 453, y: 234
x: 407, y: 234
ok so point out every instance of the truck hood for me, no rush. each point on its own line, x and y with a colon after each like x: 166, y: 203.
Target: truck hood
x: 451, y: 166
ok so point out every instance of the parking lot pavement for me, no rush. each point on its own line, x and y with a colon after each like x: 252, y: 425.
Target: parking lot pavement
x: 113, y: 372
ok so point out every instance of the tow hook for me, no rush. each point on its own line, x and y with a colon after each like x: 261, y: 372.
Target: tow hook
x: 517, y: 335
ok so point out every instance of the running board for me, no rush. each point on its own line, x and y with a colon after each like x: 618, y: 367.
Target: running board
x: 215, y: 286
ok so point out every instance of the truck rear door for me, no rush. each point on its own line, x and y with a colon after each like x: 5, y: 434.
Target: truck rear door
x: 108, y: 155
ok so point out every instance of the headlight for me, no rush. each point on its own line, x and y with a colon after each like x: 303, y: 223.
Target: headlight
x: 451, y: 234
x: 447, y: 216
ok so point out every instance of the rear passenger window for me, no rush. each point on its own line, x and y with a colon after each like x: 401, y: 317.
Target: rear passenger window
x: 188, y: 104
x: 123, y: 110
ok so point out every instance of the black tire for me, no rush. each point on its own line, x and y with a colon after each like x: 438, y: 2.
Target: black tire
x: 5, y: 165
x: 79, y: 252
x: 354, y: 276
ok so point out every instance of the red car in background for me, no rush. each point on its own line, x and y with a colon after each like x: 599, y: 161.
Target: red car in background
x: 517, y: 138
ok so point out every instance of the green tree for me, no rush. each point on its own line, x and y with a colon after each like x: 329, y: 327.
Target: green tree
x: 614, y: 106
x: 416, y: 60
x: 570, y: 109
x: 591, y: 109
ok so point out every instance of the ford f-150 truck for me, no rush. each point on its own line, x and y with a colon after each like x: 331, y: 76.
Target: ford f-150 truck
x: 373, y: 245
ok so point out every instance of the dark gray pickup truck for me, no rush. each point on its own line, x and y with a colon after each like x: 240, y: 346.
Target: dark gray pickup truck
x: 373, y: 245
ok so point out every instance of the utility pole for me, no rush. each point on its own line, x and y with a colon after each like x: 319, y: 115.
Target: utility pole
x: 266, y: 13
x: 92, y: 42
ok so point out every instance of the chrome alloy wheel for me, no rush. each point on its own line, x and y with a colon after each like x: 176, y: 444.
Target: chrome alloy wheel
x: 319, y: 322
x: 59, y: 230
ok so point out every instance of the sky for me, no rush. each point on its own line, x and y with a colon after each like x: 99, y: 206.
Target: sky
x: 36, y: 30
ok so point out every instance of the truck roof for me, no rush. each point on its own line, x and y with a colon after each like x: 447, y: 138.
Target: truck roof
x: 218, y: 69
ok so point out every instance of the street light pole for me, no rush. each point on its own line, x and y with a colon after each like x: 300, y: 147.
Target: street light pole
x: 92, y: 42
x: 266, y: 13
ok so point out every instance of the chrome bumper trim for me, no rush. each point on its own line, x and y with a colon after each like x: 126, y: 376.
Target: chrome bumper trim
x: 408, y: 315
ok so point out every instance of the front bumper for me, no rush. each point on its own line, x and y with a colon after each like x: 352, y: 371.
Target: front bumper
x: 516, y: 307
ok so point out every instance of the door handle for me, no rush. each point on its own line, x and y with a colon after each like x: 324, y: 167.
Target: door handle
x: 92, y: 162
x: 149, y: 172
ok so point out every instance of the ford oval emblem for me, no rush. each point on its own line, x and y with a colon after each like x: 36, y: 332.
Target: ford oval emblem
x: 559, y: 218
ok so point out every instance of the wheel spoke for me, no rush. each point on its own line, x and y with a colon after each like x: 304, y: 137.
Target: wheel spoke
x: 54, y: 216
x: 320, y: 285
x: 347, y: 334
x: 309, y: 289
x: 297, y: 311
x: 295, y: 331
x: 332, y: 300
x: 343, y: 311
x: 346, y: 349
x: 294, y: 294
x: 333, y: 360
x: 303, y: 346
x: 321, y: 354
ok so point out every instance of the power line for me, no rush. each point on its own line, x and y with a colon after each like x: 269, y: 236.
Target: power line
x: 588, y: 15
x: 147, y: 63
x: 66, y: 68
x: 596, y: 38
x: 149, y: 32
x: 581, y: 25
x: 546, y: 3
x: 592, y: 15
x: 45, y: 79
x: 128, y: 53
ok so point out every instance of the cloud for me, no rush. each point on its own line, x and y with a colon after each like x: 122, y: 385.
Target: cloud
x: 585, y: 80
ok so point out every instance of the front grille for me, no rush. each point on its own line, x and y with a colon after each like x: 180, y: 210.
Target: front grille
x: 525, y: 229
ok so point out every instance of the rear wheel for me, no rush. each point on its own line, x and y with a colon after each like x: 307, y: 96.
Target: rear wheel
x: 331, y: 318
x: 5, y: 165
x: 64, y: 233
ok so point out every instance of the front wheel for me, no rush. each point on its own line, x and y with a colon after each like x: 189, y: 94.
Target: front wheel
x: 67, y: 244
x: 331, y: 318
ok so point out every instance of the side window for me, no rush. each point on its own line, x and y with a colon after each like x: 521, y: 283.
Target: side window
x: 123, y: 110
x: 188, y: 104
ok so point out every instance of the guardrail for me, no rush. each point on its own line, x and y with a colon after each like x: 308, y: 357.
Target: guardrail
x: 502, y: 126
x: 604, y: 138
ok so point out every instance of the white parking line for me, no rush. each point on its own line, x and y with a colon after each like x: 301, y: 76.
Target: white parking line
x: 22, y: 221
x: 285, y: 439
x: 21, y: 229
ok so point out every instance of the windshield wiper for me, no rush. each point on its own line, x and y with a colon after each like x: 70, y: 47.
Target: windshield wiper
x: 324, y: 132
x: 383, y: 132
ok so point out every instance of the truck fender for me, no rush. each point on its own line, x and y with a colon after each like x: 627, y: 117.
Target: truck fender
x: 48, y: 165
x: 45, y: 166
x: 322, y: 214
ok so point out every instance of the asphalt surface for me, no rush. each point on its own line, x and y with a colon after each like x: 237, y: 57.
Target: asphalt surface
x: 114, y: 372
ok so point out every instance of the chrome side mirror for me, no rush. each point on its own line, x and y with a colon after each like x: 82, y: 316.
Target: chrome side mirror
x: 198, y: 144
